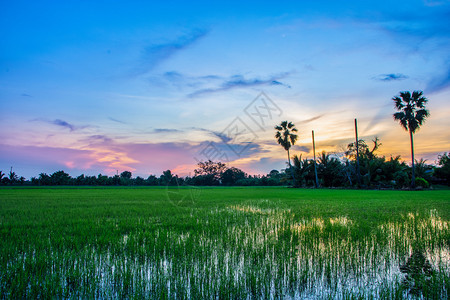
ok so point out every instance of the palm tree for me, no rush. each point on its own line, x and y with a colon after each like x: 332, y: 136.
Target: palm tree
x: 411, y: 115
x: 286, y: 137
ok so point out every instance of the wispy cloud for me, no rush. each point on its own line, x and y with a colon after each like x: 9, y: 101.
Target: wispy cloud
x: 165, y: 130
x: 239, y: 81
x: 439, y: 82
x: 154, y: 54
x: 223, y: 137
x: 98, y: 138
x: 390, y: 77
x: 311, y: 119
x: 63, y: 123
x: 60, y: 123
x: 117, y: 120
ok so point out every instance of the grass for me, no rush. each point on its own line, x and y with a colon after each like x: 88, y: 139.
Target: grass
x: 222, y: 243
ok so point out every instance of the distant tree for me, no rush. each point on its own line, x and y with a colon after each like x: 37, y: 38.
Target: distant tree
x: 424, y: 170
x: 80, y: 180
x: 115, y: 180
x: 167, y: 178
x: 273, y: 173
x: 152, y: 180
x: 2, y: 177
x: 286, y: 137
x: 231, y: 176
x: 274, y: 178
x: 364, y: 150
x: 125, y: 178
x: 304, y: 171
x: 60, y: 178
x: 395, y: 172
x: 139, y: 181
x: 126, y: 174
x: 210, y: 172
x: 330, y: 170
x: 443, y: 171
x: 44, y: 179
x: 370, y: 163
x: 102, y: 179
x: 12, y: 176
x: 411, y: 115
x: 34, y: 181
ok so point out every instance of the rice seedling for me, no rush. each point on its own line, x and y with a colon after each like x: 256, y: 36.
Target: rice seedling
x: 223, y: 243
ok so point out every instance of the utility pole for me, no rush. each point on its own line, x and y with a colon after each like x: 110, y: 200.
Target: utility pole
x: 315, y: 166
x: 358, y: 175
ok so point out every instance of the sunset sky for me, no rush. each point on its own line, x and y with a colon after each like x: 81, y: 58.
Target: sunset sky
x: 106, y: 86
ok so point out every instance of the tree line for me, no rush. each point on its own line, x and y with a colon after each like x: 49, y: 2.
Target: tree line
x: 332, y: 170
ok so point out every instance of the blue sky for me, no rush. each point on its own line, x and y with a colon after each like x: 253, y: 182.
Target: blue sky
x: 147, y: 86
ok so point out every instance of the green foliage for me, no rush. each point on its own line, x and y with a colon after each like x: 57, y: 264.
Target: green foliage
x: 421, y: 182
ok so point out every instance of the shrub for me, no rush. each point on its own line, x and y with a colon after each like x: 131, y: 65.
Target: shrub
x: 420, y: 182
x: 401, y: 179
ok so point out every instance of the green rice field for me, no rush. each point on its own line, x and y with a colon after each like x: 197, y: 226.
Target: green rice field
x: 224, y: 243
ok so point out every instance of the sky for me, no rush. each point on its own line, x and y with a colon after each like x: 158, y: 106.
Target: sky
x: 93, y: 87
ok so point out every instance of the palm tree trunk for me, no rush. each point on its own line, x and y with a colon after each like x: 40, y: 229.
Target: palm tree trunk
x: 413, y: 177
x: 290, y: 167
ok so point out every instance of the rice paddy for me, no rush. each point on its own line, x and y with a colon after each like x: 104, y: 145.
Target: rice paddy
x: 241, y: 243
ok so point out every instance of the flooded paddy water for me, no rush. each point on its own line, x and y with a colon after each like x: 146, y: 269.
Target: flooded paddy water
x: 253, y: 249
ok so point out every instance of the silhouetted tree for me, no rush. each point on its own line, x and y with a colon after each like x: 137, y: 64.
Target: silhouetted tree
x: 126, y: 174
x: 443, y: 172
x: 12, y: 176
x: 210, y: 172
x: 411, y: 115
x: 330, y: 170
x: 102, y: 179
x: 231, y: 175
x: 152, y: 180
x: 60, y: 178
x: 166, y: 178
x: 286, y: 137
x: 139, y: 180
x: 304, y: 171
x: 44, y: 179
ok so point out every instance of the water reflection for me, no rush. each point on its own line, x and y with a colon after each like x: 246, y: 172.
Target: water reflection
x: 418, y: 272
x: 260, y: 251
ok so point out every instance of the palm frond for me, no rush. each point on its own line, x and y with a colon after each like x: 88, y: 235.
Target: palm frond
x: 285, y: 134
x: 398, y: 102
x: 406, y: 96
x: 411, y: 110
x: 416, y: 95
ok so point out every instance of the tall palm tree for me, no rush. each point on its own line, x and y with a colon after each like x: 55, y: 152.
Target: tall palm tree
x: 411, y: 115
x: 286, y: 137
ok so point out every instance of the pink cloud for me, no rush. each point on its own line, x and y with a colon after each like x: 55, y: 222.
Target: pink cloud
x: 103, y: 157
